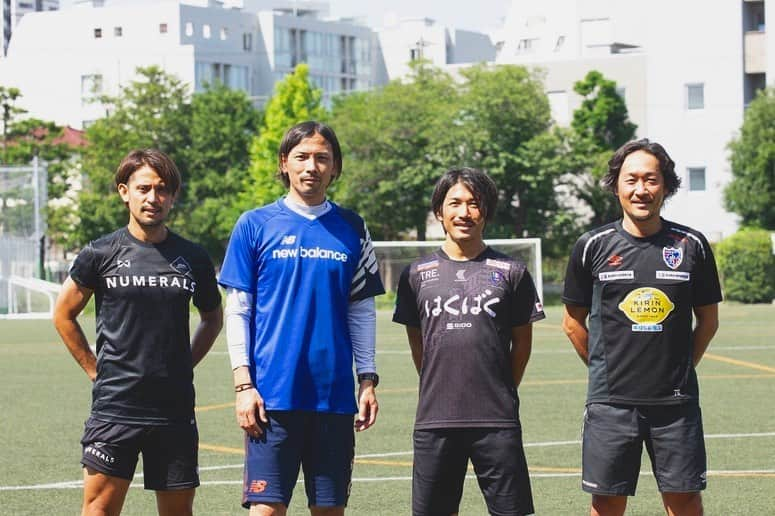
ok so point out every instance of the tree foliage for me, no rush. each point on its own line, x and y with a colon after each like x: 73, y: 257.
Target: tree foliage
x: 393, y: 141
x: 747, y: 266
x: 152, y: 111
x: 207, y: 135
x: 600, y: 126
x: 751, y: 193
x: 295, y: 100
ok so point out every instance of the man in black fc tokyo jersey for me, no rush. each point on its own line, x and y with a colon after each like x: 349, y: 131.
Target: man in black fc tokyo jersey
x: 468, y: 312
x: 639, y: 280
x: 143, y: 277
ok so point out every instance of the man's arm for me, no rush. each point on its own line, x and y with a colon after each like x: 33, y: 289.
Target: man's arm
x: 521, y: 345
x: 574, y: 323
x: 249, y: 405
x: 415, y: 344
x: 210, y: 325
x: 704, y: 330
x: 362, y: 324
x: 71, y: 301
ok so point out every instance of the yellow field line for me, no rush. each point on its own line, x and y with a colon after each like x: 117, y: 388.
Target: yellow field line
x: 219, y: 406
x: 222, y: 449
x: 743, y: 363
x: 384, y: 462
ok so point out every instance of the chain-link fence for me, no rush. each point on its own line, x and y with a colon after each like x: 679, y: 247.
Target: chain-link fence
x: 23, y: 197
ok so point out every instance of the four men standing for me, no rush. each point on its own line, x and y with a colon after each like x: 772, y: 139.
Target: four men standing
x: 301, y: 276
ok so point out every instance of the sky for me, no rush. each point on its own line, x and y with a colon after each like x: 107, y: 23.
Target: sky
x: 479, y: 15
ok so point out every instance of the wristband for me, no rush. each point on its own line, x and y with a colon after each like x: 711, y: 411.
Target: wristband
x: 243, y: 387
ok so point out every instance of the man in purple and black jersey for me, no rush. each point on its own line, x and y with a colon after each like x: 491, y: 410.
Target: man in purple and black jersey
x: 143, y: 278
x: 301, y: 276
x: 468, y: 312
x: 641, y: 307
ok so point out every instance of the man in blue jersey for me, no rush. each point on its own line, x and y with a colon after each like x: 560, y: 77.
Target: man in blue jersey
x: 301, y: 276
x: 649, y: 289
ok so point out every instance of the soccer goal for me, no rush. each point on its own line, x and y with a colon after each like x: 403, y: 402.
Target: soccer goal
x: 30, y: 298
x: 394, y: 256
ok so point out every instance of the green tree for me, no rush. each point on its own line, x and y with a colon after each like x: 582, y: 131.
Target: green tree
x: 751, y: 193
x: 600, y: 126
x: 223, y: 125
x: 151, y: 111
x: 747, y: 266
x: 395, y: 141
x: 8, y: 98
x: 295, y: 100
x: 504, y: 130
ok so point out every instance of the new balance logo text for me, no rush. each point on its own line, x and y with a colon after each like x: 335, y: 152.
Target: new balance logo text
x: 313, y: 252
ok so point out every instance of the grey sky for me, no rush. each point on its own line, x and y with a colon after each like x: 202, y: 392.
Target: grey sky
x: 480, y: 15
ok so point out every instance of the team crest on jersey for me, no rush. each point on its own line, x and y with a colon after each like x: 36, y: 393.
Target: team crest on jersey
x: 497, y: 277
x: 673, y: 256
x: 181, y: 265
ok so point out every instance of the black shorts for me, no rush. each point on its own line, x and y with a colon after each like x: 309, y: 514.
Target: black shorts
x: 613, y: 444
x: 440, y: 463
x: 169, y: 452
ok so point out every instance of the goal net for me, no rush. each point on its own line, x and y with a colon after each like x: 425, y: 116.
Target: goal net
x: 394, y: 256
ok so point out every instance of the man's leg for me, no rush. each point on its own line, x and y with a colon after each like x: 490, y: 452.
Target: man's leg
x: 683, y: 504
x: 608, y: 505
x: 327, y: 460
x: 175, y: 503
x: 439, y: 470
x: 103, y: 495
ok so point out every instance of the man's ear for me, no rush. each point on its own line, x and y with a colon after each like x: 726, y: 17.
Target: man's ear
x: 123, y: 191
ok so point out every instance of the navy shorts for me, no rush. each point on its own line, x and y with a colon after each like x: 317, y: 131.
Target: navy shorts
x: 322, y: 444
x: 613, y: 443
x: 440, y: 464
x: 169, y: 452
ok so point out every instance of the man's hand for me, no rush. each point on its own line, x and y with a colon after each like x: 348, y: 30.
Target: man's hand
x: 250, y: 404
x: 367, y: 406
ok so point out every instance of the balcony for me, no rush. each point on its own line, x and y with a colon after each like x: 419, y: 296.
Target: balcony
x: 755, y: 52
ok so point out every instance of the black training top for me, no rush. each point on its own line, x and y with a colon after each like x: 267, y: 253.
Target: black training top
x: 142, y: 293
x: 466, y: 310
x: 640, y: 292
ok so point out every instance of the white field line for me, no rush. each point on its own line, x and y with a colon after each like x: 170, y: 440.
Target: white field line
x: 77, y: 484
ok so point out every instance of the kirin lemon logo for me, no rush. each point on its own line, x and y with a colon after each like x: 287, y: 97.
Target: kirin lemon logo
x: 647, y: 307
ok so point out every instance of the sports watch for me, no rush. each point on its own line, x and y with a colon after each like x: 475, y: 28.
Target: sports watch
x: 374, y: 377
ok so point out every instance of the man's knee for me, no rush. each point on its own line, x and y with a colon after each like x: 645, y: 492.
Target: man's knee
x: 683, y: 504
x: 608, y: 505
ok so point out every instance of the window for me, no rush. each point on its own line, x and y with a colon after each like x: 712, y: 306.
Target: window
x: 622, y: 92
x: 695, y: 96
x: 206, y: 31
x: 91, y: 87
x: 189, y: 29
x: 162, y: 28
x: 696, y: 179
x: 560, y: 42
x: 97, y: 33
x: 247, y: 42
x: 117, y: 31
x: 224, y: 33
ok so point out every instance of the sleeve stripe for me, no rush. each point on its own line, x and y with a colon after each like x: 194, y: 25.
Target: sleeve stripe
x: 593, y: 237
x: 693, y: 237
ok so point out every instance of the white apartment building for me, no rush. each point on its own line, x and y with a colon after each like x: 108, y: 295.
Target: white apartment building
x: 11, y: 11
x: 61, y: 60
x: 409, y: 39
x: 686, y: 69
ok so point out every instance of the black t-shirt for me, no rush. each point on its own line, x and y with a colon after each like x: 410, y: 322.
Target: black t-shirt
x: 640, y: 292
x: 466, y: 310
x: 142, y: 293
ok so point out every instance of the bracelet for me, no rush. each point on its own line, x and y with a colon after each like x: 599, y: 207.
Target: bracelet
x: 243, y: 387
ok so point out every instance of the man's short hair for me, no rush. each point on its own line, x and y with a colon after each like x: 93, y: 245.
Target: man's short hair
x: 481, y: 186
x: 296, y: 134
x: 153, y: 158
x: 666, y: 165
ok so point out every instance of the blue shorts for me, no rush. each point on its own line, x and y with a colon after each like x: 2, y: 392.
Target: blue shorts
x: 322, y: 444
x: 613, y: 443
x: 169, y: 452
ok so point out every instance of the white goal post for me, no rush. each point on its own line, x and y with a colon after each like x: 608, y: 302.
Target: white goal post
x: 30, y: 298
x: 394, y: 256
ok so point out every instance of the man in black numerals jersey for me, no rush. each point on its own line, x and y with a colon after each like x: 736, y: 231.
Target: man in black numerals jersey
x: 143, y: 277
x: 468, y: 312
x: 639, y: 280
